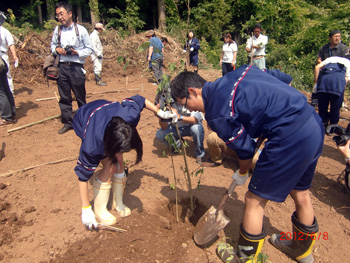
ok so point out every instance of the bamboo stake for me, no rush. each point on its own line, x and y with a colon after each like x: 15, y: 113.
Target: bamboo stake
x: 51, y: 98
x: 37, y: 122
x: 113, y: 228
x: 38, y: 165
x: 251, y: 52
x: 57, y: 97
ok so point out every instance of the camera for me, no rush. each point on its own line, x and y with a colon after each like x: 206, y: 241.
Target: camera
x: 342, y: 134
x: 69, y: 49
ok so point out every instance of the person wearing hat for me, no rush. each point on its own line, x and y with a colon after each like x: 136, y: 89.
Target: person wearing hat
x: 155, y: 54
x: 97, y: 55
x: 7, y: 43
x: 334, y: 48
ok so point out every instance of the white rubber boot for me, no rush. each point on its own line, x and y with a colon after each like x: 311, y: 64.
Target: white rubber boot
x: 101, y: 197
x: 118, y: 185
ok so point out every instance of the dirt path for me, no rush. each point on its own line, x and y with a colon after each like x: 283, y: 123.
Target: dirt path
x: 40, y: 208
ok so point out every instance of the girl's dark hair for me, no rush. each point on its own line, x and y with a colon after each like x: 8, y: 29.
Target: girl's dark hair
x: 121, y: 137
x: 228, y: 35
x: 180, y: 84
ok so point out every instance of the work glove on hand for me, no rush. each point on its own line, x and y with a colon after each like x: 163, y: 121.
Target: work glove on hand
x: 166, y: 114
x: 240, y: 178
x: 314, y: 90
x: 16, y: 63
x: 175, y: 119
x: 100, y: 57
x: 185, y: 51
x: 191, y: 49
x: 88, y: 218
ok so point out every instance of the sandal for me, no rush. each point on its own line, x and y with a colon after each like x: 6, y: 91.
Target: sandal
x: 210, y: 163
x: 5, y: 122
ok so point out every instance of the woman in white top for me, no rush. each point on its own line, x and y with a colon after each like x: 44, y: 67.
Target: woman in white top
x: 228, y: 54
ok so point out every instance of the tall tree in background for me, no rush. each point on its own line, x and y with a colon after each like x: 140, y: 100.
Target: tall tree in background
x: 161, y: 15
x: 94, y: 12
x: 50, y: 6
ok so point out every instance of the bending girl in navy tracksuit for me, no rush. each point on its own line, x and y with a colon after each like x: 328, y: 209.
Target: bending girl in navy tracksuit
x: 107, y: 130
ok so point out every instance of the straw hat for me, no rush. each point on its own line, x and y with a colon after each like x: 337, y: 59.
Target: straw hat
x: 149, y: 33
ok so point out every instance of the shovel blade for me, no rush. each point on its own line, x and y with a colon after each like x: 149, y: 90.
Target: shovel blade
x: 209, y: 225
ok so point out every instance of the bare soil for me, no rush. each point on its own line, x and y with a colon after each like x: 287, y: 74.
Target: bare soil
x: 40, y: 206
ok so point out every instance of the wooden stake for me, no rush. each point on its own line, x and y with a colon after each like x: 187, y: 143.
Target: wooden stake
x: 38, y: 165
x: 57, y: 97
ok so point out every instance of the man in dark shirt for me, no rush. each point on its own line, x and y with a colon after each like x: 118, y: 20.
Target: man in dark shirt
x: 333, y: 48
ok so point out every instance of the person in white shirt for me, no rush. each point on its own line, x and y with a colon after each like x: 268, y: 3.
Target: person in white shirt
x: 256, y: 47
x: 97, y: 55
x: 6, y: 43
x: 228, y: 54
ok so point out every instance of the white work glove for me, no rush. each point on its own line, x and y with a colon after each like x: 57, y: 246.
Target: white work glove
x: 166, y: 114
x: 314, y: 90
x: 191, y: 49
x: 175, y: 119
x: 185, y: 51
x: 240, y: 178
x: 16, y: 63
x: 88, y: 218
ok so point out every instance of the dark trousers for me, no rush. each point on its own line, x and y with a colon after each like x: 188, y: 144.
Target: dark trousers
x: 335, y: 102
x: 226, y: 68
x: 71, y: 78
x: 7, y: 103
x: 157, y: 68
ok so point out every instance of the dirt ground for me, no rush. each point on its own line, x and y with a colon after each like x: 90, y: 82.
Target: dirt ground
x: 40, y: 207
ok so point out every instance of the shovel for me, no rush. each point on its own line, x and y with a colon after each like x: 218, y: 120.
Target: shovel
x: 213, y: 221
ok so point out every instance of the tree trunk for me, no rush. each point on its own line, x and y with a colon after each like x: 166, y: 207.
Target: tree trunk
x: 50, y: 6
x: 161, y: 15
x: 79, y: 13
x: 94, y: 12
x: 40, y: 15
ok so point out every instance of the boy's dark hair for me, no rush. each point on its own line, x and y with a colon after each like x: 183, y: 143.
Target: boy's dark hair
x: 65, y: 5
x: 180, y: 84
x: 164, y: 39
x: 121, y: 137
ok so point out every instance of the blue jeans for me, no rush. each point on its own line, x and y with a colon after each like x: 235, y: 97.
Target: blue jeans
x: 195, y: 130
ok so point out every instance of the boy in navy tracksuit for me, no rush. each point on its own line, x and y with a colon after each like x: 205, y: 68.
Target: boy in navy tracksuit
x: 249, y: 103
x: 107, y: 130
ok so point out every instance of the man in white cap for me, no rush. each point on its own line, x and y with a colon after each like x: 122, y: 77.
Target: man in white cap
x: 7, y: 43
x: 97, y: 55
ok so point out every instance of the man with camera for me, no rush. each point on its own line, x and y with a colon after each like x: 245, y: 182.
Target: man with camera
x: 72, y: 43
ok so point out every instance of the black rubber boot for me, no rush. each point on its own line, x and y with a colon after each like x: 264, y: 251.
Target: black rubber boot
x: 249, y: 245
x: 298, y: 245
x: 99, y: 81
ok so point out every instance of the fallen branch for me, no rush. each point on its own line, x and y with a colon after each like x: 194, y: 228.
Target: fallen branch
x: 38, y: 165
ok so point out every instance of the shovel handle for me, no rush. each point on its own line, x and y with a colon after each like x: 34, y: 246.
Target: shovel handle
x: 228, y: 193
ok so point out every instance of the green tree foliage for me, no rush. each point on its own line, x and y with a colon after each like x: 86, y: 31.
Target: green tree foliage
x: 128, y: 19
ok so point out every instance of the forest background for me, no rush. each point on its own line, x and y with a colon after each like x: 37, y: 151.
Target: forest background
x: 296, y: 29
